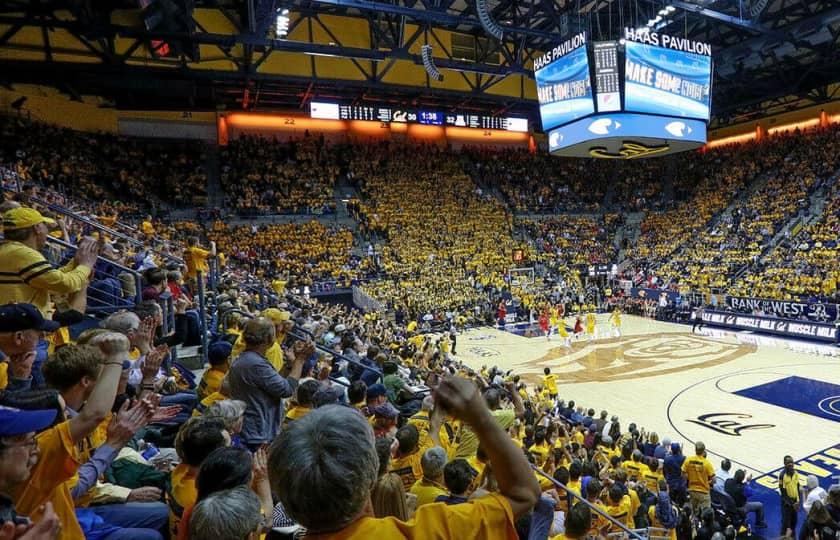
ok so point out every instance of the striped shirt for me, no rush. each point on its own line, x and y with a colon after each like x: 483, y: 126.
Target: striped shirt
x: 27, y: 277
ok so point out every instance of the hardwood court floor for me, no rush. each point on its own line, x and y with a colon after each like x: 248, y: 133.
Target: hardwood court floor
x: 750, y: 398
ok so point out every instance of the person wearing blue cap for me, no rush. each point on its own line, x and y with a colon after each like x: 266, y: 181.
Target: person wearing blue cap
x: 21, y: 328
x: 18, y: 456
x: 218, y: 354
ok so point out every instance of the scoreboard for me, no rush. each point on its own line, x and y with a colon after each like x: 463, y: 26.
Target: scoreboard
x: 388, y: 114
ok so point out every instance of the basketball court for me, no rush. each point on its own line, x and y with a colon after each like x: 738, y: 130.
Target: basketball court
x: 750, y: 398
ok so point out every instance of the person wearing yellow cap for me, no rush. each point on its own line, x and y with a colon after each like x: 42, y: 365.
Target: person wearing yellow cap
x: 25, y: 274
x: 282, y: 324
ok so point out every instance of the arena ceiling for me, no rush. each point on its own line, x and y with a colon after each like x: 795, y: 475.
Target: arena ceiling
x: 770, y: 55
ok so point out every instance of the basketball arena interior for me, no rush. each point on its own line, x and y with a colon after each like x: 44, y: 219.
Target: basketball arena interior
x: 422, y: 269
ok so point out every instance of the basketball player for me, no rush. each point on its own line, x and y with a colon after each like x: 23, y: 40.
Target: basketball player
x: 590, y: 325
x: 578, y: 326
x: 615, y: 322
x: 544, y: 324
x: 501, y: 313
x: 554, y: 322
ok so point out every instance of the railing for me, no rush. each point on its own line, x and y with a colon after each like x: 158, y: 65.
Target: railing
x: 58, y: 209
x: 630, y: 533
x: 138, y: 287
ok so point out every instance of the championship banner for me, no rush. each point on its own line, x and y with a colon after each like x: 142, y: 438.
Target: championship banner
x: 786, y: 309
x: 771, y: 325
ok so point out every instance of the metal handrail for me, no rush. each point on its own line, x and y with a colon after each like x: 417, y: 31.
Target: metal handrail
x: 629, y: 532
x: 96, y: 225
x: 138, y: 283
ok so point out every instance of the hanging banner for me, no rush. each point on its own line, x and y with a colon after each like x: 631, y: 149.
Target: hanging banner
x: 786, y: 309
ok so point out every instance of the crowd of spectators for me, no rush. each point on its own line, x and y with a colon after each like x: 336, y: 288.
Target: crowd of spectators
x: 126, y: 173
x: 103, y: 435
x: 308, y: 251
x: 262, y: 176
x: 576, y: 240
x: 700, y: 248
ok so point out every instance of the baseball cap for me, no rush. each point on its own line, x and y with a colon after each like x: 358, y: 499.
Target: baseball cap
x: 386, y: 410
x: 17, y: 422
x: 218, y: 352
x: 17, y: 317
x: 675, y: 446
x: 23, y: 217
x: 276, y: 315
x: 376, y: 390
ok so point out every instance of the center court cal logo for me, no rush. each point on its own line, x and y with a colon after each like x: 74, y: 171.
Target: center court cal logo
x: 484, y: 352
x: 732, y: 424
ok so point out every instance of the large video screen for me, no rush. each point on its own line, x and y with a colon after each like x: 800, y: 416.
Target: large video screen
x: 666, y: 81
x: 564, y: 89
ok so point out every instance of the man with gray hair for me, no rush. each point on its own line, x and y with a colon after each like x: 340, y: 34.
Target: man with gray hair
x: 431, y: 486
x: 324, y: 467
x: 255, y: 381
x: 231, y: 514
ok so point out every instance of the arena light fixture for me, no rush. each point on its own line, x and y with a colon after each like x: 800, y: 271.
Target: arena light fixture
x: 281, y: 27
x: 429, y: 63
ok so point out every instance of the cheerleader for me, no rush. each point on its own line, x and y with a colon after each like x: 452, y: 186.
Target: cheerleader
x: 590, y: 325
x: 615, y: 322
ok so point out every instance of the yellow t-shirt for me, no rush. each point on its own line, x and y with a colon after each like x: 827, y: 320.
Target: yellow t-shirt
x: 652, y: 480
x: 426, y: 492
x: 408, y: 469
x: 210, y: 383
x: 182, y: 495
x: 621, y: 512
x: 698, y: 470
x: 196, y: 261
x: 4, y: 375
x: 550, y: 383
x: 540, y: 452
x: 635, y: 469
x: 488, y: 518
x: 58, y: 462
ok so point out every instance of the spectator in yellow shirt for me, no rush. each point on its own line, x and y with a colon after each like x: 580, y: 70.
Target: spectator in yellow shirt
x: 195, y: 258
x: 406, y: 464
x: 700, y: 475
x: 326, y: 486
x: 218, y: 354
x: 550, y: 383
x: 196, y: 439
x: 58, y: 445
x: 29, y: 277
x: 430, y: 486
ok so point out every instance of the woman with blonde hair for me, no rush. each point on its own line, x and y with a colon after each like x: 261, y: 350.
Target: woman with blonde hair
x: 389, y: 498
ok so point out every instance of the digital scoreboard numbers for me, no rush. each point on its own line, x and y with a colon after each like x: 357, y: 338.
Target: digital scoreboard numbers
x: 387, y: 115
x: 358, y: 112
x: 607, y: 81
x: 564, y: 85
